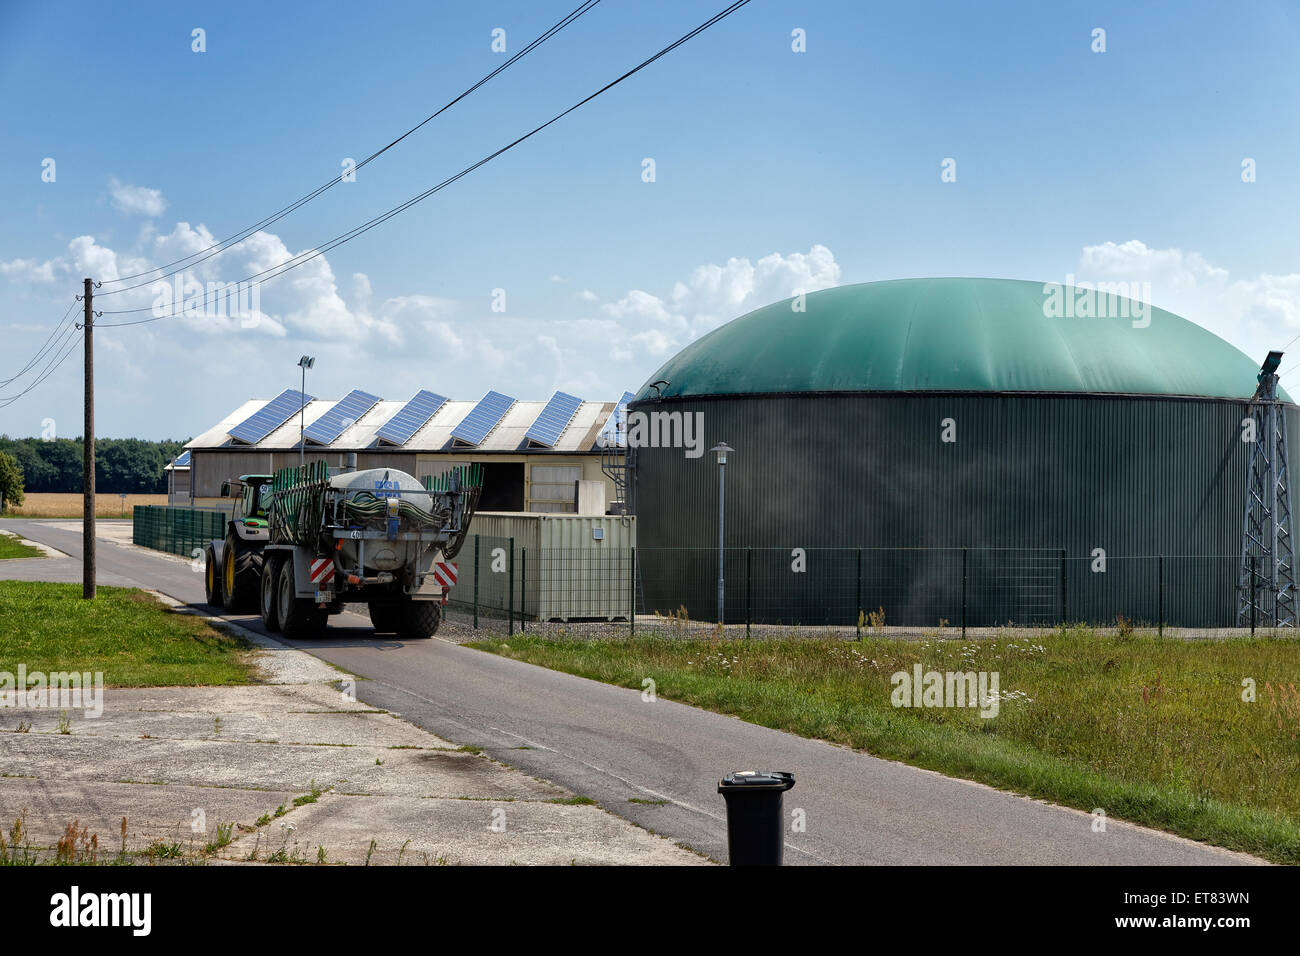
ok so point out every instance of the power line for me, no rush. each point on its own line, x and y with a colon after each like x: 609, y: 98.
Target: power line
x: 396, y: 210
x: 53, y: 341
x: 219, y: 247
x: 44, y: 348
x: 73, y: 338
x: 302, y: 258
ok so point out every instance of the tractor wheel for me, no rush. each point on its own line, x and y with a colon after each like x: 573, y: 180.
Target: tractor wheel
x: 240, y: 577
x: 269, y: 593
x: 299, y: 617
x: 384, y: 617
x: 212, y: 577
x: 417, y: 620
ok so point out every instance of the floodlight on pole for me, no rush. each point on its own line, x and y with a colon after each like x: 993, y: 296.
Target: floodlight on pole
x: 721, y: 449
x: 306, y: 362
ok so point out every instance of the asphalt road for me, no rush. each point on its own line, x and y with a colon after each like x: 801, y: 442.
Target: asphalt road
x: 610, y: 745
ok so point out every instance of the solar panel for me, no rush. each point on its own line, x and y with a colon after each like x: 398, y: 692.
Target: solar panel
x: 345, y: 412
x: 182, y: 460
x: 414, y: 415
x: 614, y: 431
x: 270, y: 417
x: 482, y: 419
x: 554, y: 419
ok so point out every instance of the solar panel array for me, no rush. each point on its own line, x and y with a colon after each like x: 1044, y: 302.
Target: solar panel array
x: 269, y: 417
x: 182, y: 460
x: 615, y: 431
x: 414, y: 415
x: 484, y: 417
x: 346, y: 411
x: 554, y: 419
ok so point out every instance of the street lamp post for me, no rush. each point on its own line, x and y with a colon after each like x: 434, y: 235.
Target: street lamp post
x: 721, y: 448
x: 306, y: 362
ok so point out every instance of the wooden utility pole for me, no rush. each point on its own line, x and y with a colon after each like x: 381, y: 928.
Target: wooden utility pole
x: 88, y: 457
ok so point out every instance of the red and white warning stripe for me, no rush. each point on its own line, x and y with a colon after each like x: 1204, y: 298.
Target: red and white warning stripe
x: 444, y: 572
x: 322, y: 570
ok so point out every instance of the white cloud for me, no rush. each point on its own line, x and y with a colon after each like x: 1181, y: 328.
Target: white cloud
x: 136, y: 200
x: 716, y: 294
x: 1255, y: 313
x: 388, y: 345
x: 29, y: 270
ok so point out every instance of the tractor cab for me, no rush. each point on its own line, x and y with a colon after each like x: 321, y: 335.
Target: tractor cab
x: 251, y: 494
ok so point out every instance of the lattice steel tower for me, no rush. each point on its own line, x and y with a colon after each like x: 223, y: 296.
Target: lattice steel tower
x: 1266, y: 585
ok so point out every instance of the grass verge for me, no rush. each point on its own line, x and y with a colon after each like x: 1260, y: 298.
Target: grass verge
x: 11, y: 547
x: 1153, y: 731
x: 125, y: 633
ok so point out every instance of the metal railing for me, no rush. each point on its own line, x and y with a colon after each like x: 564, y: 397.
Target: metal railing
x: 860, y: 590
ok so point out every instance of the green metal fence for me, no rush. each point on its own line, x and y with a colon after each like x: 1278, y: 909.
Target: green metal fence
x: 176, y: 530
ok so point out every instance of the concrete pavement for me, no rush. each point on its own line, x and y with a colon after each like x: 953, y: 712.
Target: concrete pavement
x: 180, y: 763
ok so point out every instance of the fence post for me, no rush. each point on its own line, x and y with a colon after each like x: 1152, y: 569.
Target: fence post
x: 963, y: 594
x: 510, y: 592
x: 1063, y: 606
x: 1160, y: 572
x: 749, y: 582
x: 1252, y: 594
x: 523, y: 588
x: 631, y: 598
x: 857, y: 618
x: 476, y: 582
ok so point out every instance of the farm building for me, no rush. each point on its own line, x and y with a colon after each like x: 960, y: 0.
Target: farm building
x: 1001, y: 450
x: 558, y: 456
x: 178, y: 479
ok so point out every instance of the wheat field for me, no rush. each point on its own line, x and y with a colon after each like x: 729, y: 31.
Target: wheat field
x: 59, y: 505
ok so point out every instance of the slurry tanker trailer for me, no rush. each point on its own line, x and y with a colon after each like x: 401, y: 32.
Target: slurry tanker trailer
x: 307, y: 543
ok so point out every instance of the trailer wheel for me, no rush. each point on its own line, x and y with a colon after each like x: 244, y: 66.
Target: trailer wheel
x: 212, y: 577
x: 269, y: 593
x: 299, y: 617
x: 417, y: 620
x: 383, y: 617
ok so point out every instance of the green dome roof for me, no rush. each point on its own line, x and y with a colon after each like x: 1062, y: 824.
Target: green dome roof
x: 994, y: 335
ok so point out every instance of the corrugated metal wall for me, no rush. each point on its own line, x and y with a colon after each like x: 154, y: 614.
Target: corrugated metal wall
x: 1132, y: 475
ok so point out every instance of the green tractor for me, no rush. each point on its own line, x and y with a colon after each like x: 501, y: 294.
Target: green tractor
x: 233, y: 566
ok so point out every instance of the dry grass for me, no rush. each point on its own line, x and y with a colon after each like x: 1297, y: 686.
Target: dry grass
x: 58, y: 505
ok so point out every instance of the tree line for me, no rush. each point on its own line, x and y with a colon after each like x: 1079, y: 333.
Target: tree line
x: 130, y: 465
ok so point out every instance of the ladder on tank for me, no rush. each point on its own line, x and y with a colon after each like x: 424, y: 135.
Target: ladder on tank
x: 1266, y: 584
x: 618, y: 460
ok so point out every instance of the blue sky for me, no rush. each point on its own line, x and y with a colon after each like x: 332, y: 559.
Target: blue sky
x: 774, y: 171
